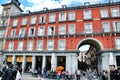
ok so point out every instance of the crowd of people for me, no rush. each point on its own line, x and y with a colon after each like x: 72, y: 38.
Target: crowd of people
x: 11, y: 72
x: 89, y: 74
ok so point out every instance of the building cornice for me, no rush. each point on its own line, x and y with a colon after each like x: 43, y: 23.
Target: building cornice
x: 67, y: 9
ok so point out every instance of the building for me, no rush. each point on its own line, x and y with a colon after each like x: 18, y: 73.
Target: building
x: 9, y: 9
x: 33, y: 37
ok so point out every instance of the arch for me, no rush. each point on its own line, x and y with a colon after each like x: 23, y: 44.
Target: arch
x: 92, y: 41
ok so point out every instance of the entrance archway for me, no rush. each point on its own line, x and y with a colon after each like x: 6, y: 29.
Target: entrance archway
x: 91, y: 57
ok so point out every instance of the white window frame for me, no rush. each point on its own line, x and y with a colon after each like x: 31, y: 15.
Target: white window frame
x: 104, y: 13
x: 61, y: 45
x: 63, y: 29
x: 50, y: 32
x: 24, y: 21
x: 1, y: 33
x: 33, y: 19
x: 0, y: 44
x: 71, y: 16
x: 42, y: 19
x: 116, y: 28
x: 13, y: 33
x: 41, y: 30
x: 15, y: 22
x: 30, y: 32
x: 30, y: 45
x: 117, y: 43
x: 49, y: 46
x: 22, y: 34
x: 11, y: 46
x: 71, y: 30
x: 39, y: 45
x: 62, y: 16
x: 115, y: 14
x: 106, y: 26
x: 52, y: 17
x: 88, y: 30
x: 20, y: 45
x: 87, y: 14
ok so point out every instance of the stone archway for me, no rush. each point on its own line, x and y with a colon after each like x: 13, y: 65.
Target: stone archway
x: 92, y: 56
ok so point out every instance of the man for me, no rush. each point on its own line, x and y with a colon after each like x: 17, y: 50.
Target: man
x: 113, y: 75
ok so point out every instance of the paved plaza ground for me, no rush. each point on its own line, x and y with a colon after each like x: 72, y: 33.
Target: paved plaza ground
x: 28, y: 76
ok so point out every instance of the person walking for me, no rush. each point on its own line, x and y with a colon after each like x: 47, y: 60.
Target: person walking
x: 78, y: 73
x: 113, y: 74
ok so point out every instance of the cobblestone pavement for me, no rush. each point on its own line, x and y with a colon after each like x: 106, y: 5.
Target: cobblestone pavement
x: 28, y: 76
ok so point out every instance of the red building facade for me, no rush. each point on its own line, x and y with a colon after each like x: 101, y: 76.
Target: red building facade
x: 32, y: 37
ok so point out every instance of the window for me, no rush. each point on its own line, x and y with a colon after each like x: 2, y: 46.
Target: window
x: 115, y: 12
x: 13, y: 33
x: 24, y: 21
x: 15, y: 22
x: 1, y: 33
x: 20, y: 46
x: 88, y: 28
x: 11, y: 46
x: 71, y: 28
x: 104, y: 13
x: 30, y: 45
x: 22, y: 32
x: 87, y: 14
x: 52, y: 18
x: 62, y: 29
x: 42, y: 18
x: 31, y: 32
x: 62, y: 16
x: 33, y: 20
x: 116, y: 25
x: 118, y: 43
x: 40, y: 45
x: 40, y: 31
x: 61, y: 44
x: 106, y: 26
x: 50, y: 45
x: 71, y: 16
x: 51, y: 30
x: 0, y: 44
x: 3, y: 22
x: 5, y: 12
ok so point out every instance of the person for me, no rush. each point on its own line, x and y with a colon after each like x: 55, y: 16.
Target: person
x: 78, y: 73
x: 84, y: 77
x: 4, y: 68
x: 44, y: 72
x: 39, y: 72
x: 59, y: 74
x: 10, y: 73
x: 113, y: 75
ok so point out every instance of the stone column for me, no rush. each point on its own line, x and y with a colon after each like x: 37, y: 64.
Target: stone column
x: 13, y: 59
x: 105, y: 61
x: 44, y: 62
x: 23, y: 63
x: 68, y: 63
x: 33, y: 62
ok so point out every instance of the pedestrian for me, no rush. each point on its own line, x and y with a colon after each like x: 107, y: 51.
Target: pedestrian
x: 44, y: 72
x: 113, y: 74
x: 39, y: 72
x: 78, y: 73
x: 10, y: 73
x: 4, y: 68
x: 84, y: 77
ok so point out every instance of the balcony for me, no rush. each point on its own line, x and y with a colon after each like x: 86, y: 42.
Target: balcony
x: 66, y: 33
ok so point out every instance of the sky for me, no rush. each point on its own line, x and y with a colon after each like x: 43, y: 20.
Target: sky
x: 36, y: 5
